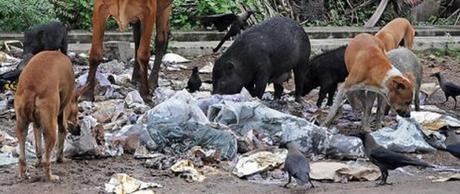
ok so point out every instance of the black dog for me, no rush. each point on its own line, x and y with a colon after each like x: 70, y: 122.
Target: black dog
x: 49, y: 36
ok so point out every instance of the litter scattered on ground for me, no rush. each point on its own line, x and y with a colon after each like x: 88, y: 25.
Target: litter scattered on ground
x: 185, y: 169
x: 123, y: 184
x: 340, y: 172
x: 407, y: 137
x: 450, y: 177
x: 434, y: 121
x: 259, y: 162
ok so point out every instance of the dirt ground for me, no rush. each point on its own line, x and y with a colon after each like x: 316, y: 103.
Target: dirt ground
x: 89, y: 176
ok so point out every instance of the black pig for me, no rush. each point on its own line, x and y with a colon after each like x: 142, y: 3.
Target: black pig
x: 264, y: 53
x: 326, y: 71
x: 49, y: 36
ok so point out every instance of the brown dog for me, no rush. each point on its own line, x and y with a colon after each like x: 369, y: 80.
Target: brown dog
x: 394, y: 32
x: 46, y: 98
x: 143, y: 14
x: 369, y: 69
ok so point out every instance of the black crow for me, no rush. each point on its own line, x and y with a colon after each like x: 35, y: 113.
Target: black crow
x: 450, y: 89
x: 386, y: 159
x: 296, y: 165
x: 194, y: 83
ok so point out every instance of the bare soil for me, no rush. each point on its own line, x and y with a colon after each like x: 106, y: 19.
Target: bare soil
x: 89, y: 176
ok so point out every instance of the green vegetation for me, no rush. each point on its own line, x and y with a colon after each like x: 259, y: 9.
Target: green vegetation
x: 17, y: 15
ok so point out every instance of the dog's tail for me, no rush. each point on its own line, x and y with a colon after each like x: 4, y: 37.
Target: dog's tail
x: 30, y: 107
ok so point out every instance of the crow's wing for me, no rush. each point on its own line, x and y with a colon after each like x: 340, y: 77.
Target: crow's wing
x: 392, y: 160
x: 221, y: 21
x: 452, y: 88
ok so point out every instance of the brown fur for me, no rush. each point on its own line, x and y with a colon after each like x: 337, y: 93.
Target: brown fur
x: 45, y: 98
x: 368, y: 66
x: 394, y: 32
x: 148, y: 12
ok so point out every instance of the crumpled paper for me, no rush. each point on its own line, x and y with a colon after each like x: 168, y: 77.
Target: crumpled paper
x: 259, y: 162
x: 186, y: 169
x: 121, y: 183
x: 434, y: 121
x: 451, y: 177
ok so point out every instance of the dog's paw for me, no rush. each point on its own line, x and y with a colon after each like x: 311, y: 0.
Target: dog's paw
x: 53, y: 178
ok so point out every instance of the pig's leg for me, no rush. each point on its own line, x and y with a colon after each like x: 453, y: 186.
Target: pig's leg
x: 330, y: 94
x: 417, y: 100
x: 278, y: 90
x: 298, y: 79
x: 261, y: 84
x: 322, y: 95
x: 335, y: 107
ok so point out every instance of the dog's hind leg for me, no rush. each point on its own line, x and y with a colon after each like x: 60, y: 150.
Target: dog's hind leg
x: 21, y: 134
x: 409, y: 38
x: 62, y: 131
x: 368, y: 104
x: 48, y: 111
x: 38, y: 144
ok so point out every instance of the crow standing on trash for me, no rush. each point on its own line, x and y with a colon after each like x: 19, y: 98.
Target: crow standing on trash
x: 386, y: 159
x: 452, y: 142
x: 194, y: 83
x: 222, y: 21
x: 450, y: 89
x: 296, y: 165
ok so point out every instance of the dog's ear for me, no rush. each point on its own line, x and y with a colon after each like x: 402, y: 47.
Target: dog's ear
x: 398, y: 84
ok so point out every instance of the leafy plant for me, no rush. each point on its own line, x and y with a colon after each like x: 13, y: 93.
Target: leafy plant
x: 17, y: 15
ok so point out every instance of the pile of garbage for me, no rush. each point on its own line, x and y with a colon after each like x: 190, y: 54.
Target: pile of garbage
x: 194, y: 134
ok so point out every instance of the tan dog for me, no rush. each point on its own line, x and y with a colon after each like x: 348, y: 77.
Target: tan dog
x: 394, y: 32
x: 369, y: 69
x: 46, y: 98
x: 143, y: 14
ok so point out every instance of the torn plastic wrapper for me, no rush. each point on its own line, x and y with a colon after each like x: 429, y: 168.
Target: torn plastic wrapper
x: 175, y: 137
x: 345, y: 147
x: 407, y: 137
x: 181, y: 107
x: 244, y: 116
